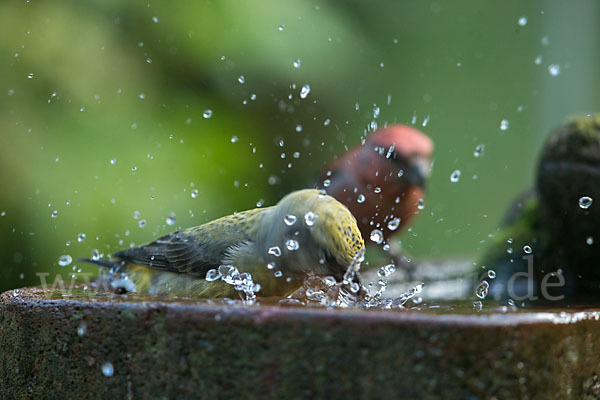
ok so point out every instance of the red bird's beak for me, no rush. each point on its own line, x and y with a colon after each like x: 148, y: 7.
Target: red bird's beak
x: 418, y: 172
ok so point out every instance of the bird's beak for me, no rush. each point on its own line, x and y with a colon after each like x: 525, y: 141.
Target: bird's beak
x: 418, y: 172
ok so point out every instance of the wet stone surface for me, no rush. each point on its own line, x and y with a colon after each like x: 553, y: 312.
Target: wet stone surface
x: 111, y: 346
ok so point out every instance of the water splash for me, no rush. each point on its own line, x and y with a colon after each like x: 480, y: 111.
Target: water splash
x: 241, y: 282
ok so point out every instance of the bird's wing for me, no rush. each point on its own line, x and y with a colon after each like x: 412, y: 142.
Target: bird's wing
x: 195, y: 250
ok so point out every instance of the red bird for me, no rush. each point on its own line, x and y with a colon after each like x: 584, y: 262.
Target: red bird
x: 382, y: 181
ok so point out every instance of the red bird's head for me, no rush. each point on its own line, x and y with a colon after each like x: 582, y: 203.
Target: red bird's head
x: 407, y: 148
x: 383, y: 180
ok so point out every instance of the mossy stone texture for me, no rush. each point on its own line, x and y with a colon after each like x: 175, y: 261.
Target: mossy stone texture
x: 176, y: 349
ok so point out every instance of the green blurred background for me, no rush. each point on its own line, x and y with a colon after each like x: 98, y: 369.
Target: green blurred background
x: 84, y: 83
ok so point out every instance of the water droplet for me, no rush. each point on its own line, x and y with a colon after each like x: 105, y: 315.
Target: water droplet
x: 292, y: 245
x: 207, y: 113
x: 327, y: 122
x: 554, y: 69
x: 309, y: 218
x: 585, y: 202
x: 142, y: 223
x: 54, y: 213
x: 393, y: 224
x: 545, y: 41
x: 64, y: 260
x: 81, y: 237
x: 523, y: 21
x: 275, y: 251
x: 590, y: 240
x: 327, y: 182
x: 297, y: 63
x: 134, y: 168
x: 30, y: 75
x: 299, y: 128
x: 107, y: 367
x: 81, y: 329
x: 426, y: 121
x: 477, y: 305
x: 482, y: 290
x: 491, y: 274
x: 95, y: 255
x: 304, y: 91
x: 155, y: 20
x: 234, y: 139
x: 376, y: 111
x: 171, y: 219
x: 421, y: 203
x: 241, y: 79
x: 479, y: 150
x: 277, y: 274
x: 289, y: 219
x: 213, y: 275
x: 455, y: 176
x: 386, y: 270
x: 538, y: 60
x: 194, y: 193
x: 527, y: 249
x: 504, y: 124
x: 281, y: 27
x: 376, y: 236
x: 228, y: 272
x: 361, y: 198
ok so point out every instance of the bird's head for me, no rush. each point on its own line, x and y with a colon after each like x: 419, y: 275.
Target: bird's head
x: 336, y: 231
x: 408, y: 150
x: 568, y: 182
x: 326, y: 233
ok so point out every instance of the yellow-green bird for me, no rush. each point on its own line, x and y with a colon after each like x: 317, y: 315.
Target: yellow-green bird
x: 306, y: 232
